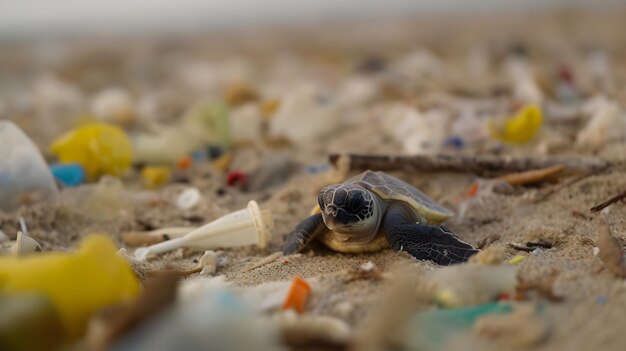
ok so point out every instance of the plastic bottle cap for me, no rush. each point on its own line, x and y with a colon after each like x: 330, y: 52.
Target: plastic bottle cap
x: 188, y: 198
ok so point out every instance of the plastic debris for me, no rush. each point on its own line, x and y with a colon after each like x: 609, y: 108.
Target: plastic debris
x: 471, y: 284
x: 430, y: 330
x: 523, y: 328
x: 215, y: 320
x: 517, y: 259
x: 114, y: 322
x: 188, y: 198
x: 239, y: 94
x: 154, y: 236
x: 520, y: 128
x: 525, y: 87
x: 105, y: 200
x: 184, y: 163
x: 249, y: 226
x: 418, y: 132
x: 29, y: 322
x: 154, y: 177
x: 24, y: 175
x: 100, y: 148
x: 104, y: 278
x: 114, y: 105
x: 203, y: 124
x: 239, y: 178
x: 69, y: 174
x: 307, y: 330
x: 246, y: 124
x: 601, y: 299
x: 298, y: 295
x: 304, y: 115
x: 607, y: 124
x: 25, y: 245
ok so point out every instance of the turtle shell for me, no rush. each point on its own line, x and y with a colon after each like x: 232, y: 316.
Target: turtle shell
x: 392, y: 188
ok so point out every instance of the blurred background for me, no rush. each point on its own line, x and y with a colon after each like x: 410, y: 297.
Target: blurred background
x: 27, y: 18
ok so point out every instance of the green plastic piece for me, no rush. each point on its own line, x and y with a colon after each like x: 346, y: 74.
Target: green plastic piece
x: 431, y: 329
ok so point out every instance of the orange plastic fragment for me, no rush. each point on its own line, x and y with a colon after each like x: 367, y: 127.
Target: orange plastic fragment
x: 298, y: 295
x: 473, y: 189
x: 184, y: 163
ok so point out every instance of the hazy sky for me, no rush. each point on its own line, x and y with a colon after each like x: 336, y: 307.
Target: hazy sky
x: 37, y: 17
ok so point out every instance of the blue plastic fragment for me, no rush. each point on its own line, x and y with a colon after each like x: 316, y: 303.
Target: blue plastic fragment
x: 601, y: 299
x: 455, y: 141
x: 431, y: 329
x: 69, y: 174
x: 315, y: 169
x: 198, y: 156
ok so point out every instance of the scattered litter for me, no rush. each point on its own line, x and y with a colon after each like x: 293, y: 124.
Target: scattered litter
x: 25, y: 245
x: 69, y: 174
x: 114, y: 105
x: 238, y: 178
x: 208, y: 263
x: 523, y: 328
x: 430, y: 330
x: 115, y: 321
x: 607, y: 124
x: 29, y: 322
x: 216, y: 319
x: 188, y: 198
x: 304, y: 115
x: 308, y: 331
x: 471, y: 284
x: 154, y: 236
x: 24, y: 175
x: 155, y: 177
x: 611, y: 251
x: 298, y: 295
x: 520, y: 128
x: 100, y: 148
x: 105, y: 278
x: 517, y: 259
x: 595, y: 251
x: 367, y: 270
x: 184, y: 163
x: 249, y: 226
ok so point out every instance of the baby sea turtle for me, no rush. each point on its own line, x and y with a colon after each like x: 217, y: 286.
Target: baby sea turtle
x: 373, y: 211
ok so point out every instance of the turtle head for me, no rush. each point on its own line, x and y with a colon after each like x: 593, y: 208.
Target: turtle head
x: 349, y: 209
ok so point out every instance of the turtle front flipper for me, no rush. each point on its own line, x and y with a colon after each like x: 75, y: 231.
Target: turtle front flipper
x: 424, y: 242
x: 300, y: 237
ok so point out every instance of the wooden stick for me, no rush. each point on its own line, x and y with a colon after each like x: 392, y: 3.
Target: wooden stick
x: 533, y: 176
x: 609, y: 202
x: 479, y: 165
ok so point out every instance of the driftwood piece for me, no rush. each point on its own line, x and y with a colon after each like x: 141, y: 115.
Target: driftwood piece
x: 479, y: 165
x: 609, y: 202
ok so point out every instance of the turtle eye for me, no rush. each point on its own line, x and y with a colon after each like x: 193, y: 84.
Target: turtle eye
x: 355, y: 204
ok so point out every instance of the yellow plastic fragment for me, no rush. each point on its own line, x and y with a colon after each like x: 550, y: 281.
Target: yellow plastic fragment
x: 78, y: 284
x: 447, y: 298
x: 99, y: 147
x: 155, y: 177
x: 520, y: 128
x: 517, y: 259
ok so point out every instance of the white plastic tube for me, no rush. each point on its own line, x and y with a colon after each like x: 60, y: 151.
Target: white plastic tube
x: 248, y: 226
